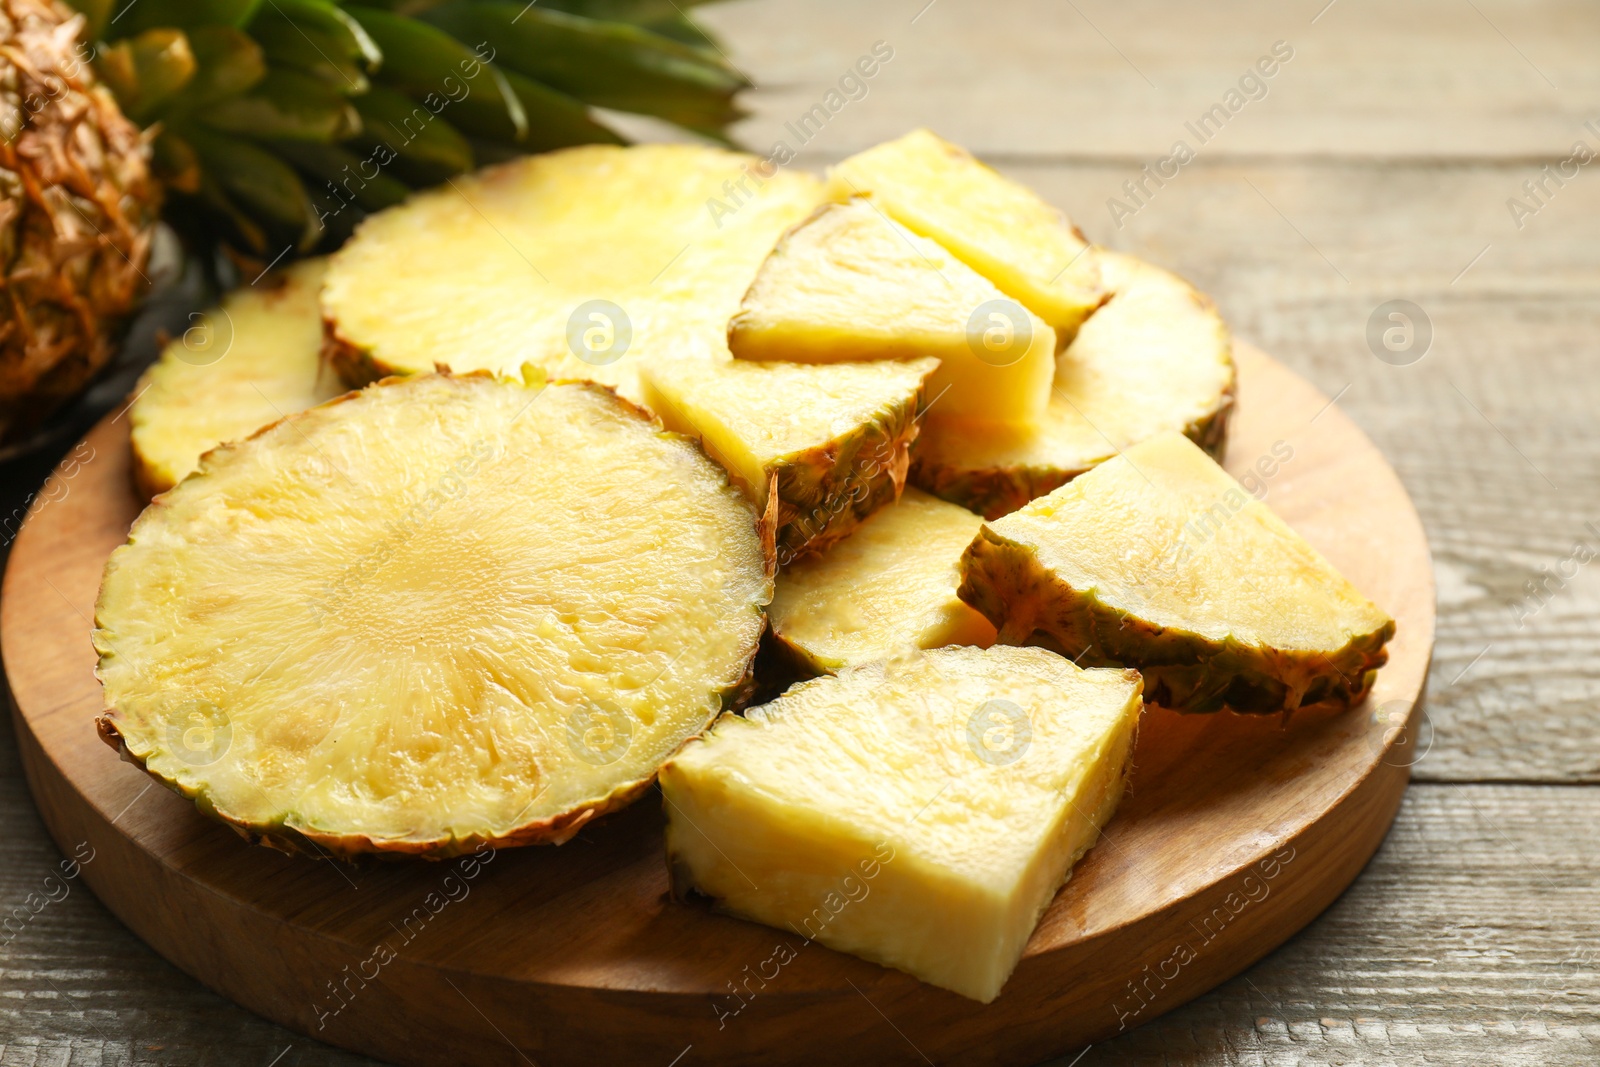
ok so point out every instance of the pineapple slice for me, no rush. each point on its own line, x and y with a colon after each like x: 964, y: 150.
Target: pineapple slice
x: 249, y: 362
x: 849, y: 284
x: 437, y: 613
x: 1159, y: 560
x: 1156, y: 357
x: 887, y: 589
x: 818, y: 448
x: 920, y: 814
x: 581, y: 262
x: 1000, y: 229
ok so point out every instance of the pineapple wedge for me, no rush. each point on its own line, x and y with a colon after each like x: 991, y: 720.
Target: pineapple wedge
x: 819, y: 448
x: 581, y: 261
x: 887, y: 589
x: 848, y: 284
x: 434, y: 614
x: 249, y: 362
x: 1159, y: 560
x: 1156, y: 357
x: 920, y: 814
x: 997, y: 227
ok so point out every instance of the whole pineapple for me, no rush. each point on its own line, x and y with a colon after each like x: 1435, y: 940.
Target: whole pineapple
x: 77, y: 207
x: 273, y: 126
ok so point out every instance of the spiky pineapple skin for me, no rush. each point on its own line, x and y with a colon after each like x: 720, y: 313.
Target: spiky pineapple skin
x: 77, y: 214
x: 1183, y: 671
x: 824, y: 493
x: 995, y: 492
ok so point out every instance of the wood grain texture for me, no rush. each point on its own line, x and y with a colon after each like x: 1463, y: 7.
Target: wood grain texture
x: 1237, y: 830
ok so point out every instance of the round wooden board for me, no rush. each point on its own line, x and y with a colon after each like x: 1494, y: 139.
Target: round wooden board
x: 1236, y: 831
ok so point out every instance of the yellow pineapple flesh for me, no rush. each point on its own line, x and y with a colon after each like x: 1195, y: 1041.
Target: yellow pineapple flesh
x: 1160, y: 561
x: 849, y: 284
x: 819, y: 448
x: 1155, y: 357
x: 583, y: 262
x: 999, y: 228
x: 251, y: 361
x: 437, y: 613
x: 920, y: 813
x: 885, y: 591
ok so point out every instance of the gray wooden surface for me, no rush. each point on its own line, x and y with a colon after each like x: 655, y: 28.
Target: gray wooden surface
x: 1377, y: 167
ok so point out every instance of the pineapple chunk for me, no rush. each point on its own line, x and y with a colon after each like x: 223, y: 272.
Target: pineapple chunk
x: 819, y: 448
x: 249, y: 362
x: 920, y: 814
x: 437, y: 613
x: 1156, y: 357
x: 582, y: 262
x: 1000, y: 229
x: 887, y: 589
x: 849, y: 284
x: 1159, y: 560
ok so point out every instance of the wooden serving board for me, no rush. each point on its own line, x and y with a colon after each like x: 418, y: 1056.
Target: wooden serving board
x: 1236, y: 831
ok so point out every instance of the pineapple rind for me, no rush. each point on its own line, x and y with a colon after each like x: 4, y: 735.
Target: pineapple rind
x: 854, y: 810
x: 266, y: 365
x: 887, y: 590
x: 689, y: 698
x: 1124, y: 371
x: 812, y: 494
x: 1108, y: 624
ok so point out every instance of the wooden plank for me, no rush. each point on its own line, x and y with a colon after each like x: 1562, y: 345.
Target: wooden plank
x: 1098, y: 79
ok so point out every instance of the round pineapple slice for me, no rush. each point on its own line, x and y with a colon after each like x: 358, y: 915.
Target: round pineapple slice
x: 577, y: 261
x: 1155, y: 357
x: 440, y: 612
x: 251, y: 361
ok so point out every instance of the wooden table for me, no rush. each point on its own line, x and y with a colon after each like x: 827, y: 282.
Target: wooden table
x: 1377, y: 166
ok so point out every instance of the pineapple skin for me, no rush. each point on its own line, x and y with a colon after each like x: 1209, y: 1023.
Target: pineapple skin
x: 290, y: 840
x: 77, y: 214
x: 824, y: 493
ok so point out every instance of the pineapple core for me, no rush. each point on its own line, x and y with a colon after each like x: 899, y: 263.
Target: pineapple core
x: 920, y: 813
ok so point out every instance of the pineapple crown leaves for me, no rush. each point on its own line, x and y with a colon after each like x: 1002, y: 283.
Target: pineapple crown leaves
x: 287, y: 120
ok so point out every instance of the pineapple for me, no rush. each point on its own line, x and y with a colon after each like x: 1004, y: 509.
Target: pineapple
x: 1156, y: 357
x: 249, y: 362
x: 818, y: 448
x: 849, y: 284
x: 1000, y: 229
x: 437, y: 613
x: 887, y: 589
x: 1159, y: 560
x: 920, y: 813
x: 582, y: 262
x: 77, y: 213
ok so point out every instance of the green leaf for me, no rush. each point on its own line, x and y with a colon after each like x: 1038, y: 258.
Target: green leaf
x: 176, y: 163
x: 264, y: 186
x: 135, y: 16
x: 309, y: 49
x: 322, y: 17
x: 427, y: 146
x: 344, y: 177
x: 556, y: 120
x: 437, y: 70
x: 146, y: 71
x: 286, y: 105
x: 96, y: 14
x: 607, y: 64
x: 227, y: 61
